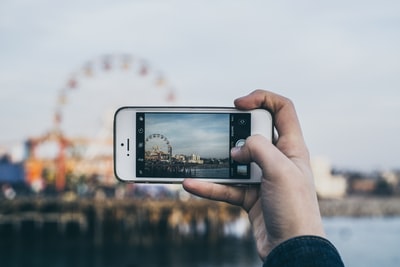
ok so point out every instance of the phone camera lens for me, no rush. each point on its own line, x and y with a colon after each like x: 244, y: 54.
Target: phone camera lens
x: 122, y: 144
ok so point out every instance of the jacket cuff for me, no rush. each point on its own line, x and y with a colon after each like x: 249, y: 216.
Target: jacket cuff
x: 310, y: 251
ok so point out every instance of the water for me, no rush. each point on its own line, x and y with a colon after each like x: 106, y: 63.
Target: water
x: 66, y: 254
x: 194, y: 172
x: 365, y: 242
x: 212, y: 172
x: 362, y: 242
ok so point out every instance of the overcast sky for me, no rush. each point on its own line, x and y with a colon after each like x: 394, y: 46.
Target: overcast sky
x: 206, y: 135
x: 339, y: 61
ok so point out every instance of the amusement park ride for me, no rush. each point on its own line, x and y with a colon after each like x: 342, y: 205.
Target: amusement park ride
x: 88, y: 156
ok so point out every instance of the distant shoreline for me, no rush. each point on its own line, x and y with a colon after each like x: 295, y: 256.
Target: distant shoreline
x: 360, y: 207
x: 354, y: 206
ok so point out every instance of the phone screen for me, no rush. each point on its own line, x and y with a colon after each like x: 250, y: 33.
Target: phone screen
x: 190, y: 145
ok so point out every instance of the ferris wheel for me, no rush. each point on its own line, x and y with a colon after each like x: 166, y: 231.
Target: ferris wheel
x: 86, y: 102
x: 158, y: 147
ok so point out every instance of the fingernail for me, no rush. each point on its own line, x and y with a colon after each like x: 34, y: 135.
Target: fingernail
x: 235, y: 150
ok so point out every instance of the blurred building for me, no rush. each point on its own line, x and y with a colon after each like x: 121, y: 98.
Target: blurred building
x: 195, y: 159
x: 392, y: 178
x: 327, y: 184
x: 11, y: 172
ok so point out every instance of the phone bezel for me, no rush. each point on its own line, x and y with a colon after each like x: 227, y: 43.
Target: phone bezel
x: 125, y: 156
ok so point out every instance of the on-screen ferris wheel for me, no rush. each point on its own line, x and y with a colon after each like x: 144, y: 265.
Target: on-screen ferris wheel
x: 158, y: 147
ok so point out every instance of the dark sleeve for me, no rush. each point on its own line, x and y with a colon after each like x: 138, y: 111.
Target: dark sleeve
x: 304, y: 251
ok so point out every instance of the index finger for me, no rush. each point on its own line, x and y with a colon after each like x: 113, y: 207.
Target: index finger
x: 240, y: 196
x: 291, y: 141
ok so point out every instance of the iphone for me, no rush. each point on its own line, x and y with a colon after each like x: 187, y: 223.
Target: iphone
x: 169, y: 144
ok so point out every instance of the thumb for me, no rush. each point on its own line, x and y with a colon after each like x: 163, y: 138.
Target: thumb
x: 260, y: 150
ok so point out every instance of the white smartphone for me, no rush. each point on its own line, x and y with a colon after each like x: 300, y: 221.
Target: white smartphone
x: 169, y: 144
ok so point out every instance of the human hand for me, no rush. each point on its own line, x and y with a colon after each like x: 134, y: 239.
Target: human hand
x: 284, y: 205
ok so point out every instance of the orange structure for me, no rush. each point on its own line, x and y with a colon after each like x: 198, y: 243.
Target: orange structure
x: 34, y: 166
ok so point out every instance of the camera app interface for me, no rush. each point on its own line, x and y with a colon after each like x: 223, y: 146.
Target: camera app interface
x: 195, y: 145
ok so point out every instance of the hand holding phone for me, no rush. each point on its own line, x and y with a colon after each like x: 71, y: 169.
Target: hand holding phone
x: 169, y: 144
